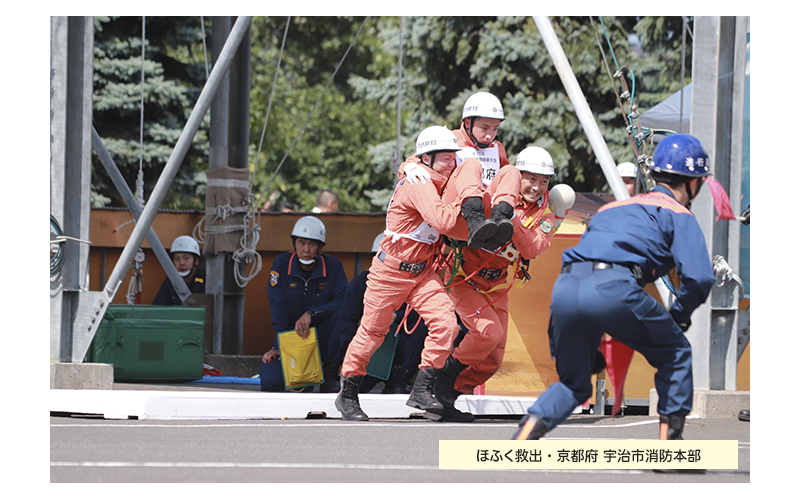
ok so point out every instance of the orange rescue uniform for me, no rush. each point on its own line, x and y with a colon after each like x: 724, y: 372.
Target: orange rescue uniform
x: 403, y: 271
x: 496, y: 183
x: 483, y: 347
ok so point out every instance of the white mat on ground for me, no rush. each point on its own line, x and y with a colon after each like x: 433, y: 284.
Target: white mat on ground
x: 177, y: 405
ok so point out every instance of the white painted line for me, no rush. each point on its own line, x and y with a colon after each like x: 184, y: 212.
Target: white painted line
x: 254, y: 465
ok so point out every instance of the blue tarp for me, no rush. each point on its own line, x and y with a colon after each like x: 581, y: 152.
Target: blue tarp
x: 227, y: 380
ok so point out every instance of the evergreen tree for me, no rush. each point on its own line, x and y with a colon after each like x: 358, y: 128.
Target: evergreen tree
x: 174, y: 72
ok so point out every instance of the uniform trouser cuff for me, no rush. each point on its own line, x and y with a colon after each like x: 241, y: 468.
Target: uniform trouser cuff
x: 555, y: 405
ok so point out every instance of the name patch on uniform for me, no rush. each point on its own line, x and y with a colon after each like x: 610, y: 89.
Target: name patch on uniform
x: 546, y: 226
x: 274, y: 277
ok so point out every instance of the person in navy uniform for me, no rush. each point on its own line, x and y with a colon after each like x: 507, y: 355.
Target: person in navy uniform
x: 306, y: 289
x: 185, y: 253
x: 408, y: 352
x: 627, y: 244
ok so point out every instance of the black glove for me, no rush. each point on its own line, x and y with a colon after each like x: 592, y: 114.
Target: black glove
x: 684, y: 326
x: 599, y: 362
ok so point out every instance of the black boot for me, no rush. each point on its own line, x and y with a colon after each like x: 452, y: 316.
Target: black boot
x: 453, y: 414
x: 422, y: 392
x: 671, y: 428
x: 330, y: 383
x: 481, y: 229
x: 501, y: 215
x: 531, y: 427
x: 400, y: 381
x: 445, y: 392
x: 347, y: 400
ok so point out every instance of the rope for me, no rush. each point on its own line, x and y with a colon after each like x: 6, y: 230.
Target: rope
x: 636, y: 135
x: 314, y: 108
x: 205, y: 50
x: 396, y: 158
x: 269, y: 105
x: 140, y: 177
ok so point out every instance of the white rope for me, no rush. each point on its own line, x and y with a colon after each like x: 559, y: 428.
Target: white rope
x: 140, y: 177
x: 247, y: 255
x: 205, y: 51
x: 396, y: 158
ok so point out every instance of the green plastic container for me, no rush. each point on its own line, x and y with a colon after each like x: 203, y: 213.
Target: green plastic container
x: 151, y: 342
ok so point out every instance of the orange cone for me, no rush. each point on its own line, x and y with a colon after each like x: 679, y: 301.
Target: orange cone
x: 618, y: 360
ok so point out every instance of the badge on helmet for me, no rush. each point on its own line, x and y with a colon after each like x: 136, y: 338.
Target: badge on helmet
x: 436, y: 138
x: 484, y: 105
x: 681, y: 154
x: 535, y: 160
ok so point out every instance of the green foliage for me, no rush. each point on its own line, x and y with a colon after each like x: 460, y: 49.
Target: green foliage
x: 332, y: 151
x: 350, y: 142
x: 173, y: 76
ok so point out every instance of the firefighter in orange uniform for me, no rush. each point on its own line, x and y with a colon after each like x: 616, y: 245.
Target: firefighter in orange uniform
x: 494, y: 199
x: 480, y: 354
x: 403, y: 271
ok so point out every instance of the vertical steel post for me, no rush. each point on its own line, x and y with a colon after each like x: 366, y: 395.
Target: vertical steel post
x: 181, y: 147
x: 92, y: 305
x: 71, y: 65
x: 717, y: 119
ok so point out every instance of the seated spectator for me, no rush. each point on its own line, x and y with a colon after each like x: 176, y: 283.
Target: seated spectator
x: 327, y: 201
x: 306, y: 289
x: 409, y: 346
x: 185, y: 252
x: 283, y: 206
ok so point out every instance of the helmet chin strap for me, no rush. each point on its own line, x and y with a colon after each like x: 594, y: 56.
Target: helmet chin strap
x: 432, y: 156
x: 481, y: 145
x: 688, y: 185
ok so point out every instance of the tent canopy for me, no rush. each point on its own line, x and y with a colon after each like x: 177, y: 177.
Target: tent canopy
x: 667, y: 114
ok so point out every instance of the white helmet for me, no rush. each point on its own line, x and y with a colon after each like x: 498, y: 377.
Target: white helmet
x: 483, y: 104
x: 376, y: 245
x: 436, y: 138
x: 627, y: 169
x: 185, y: 244
x: 310, y: 228
x: 536, y: 161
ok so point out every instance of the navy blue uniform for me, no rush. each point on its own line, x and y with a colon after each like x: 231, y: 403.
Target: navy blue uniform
x: 599, y: 292
x: 291, y: 293
x: 167, y: 296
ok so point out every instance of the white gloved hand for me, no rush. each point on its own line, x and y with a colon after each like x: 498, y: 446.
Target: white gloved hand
x: 562, y: 197
x: 416, y: 174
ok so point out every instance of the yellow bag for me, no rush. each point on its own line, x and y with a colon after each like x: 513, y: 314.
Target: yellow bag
x: 300, y: 359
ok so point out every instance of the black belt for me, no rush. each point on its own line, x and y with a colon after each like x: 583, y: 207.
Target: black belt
x: 403, y: 266
x: 490, y: 274
x: 599, y: 265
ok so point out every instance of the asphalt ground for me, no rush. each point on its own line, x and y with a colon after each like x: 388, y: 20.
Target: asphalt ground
x: 319, y: 451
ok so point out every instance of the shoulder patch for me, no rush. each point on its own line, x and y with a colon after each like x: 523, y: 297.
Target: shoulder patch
x: 274, y: 277
x: 546, y: 226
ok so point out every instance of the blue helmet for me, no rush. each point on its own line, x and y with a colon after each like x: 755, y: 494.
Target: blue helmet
x: 681, y: 154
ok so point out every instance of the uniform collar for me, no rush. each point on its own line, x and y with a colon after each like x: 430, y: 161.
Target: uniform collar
x: 320, y: 268
x: 664, y: 190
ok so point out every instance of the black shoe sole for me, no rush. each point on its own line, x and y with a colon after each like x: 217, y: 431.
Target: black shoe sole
x: 433, y: 409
